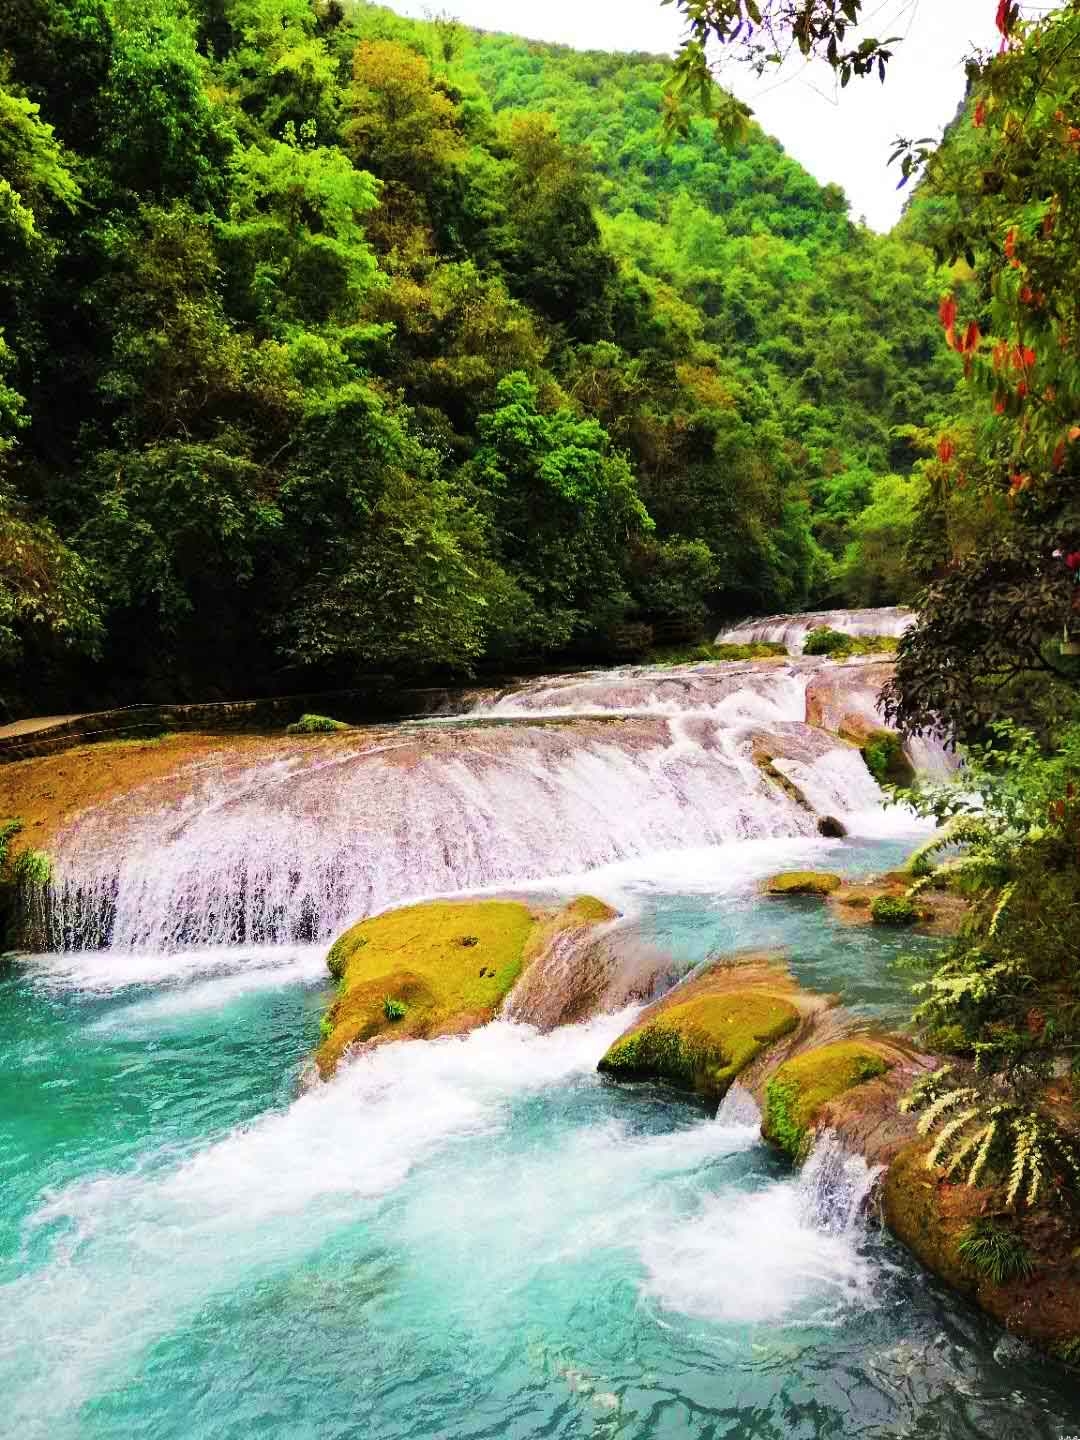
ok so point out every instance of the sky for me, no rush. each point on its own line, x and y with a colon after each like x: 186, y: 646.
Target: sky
x: 846, y: 139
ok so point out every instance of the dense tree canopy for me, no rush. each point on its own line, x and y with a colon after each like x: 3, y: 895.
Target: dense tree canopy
x: 332, y: 341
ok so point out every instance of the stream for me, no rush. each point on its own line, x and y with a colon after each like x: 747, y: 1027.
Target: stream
x: 476, y: 1238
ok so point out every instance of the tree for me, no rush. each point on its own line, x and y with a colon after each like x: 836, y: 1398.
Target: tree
x: 562, y: 509
x: 994, y: 614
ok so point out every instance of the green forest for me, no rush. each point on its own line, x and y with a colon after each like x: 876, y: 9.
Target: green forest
x: 335, y: 343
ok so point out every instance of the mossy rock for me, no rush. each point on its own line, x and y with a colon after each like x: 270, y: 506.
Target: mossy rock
x: 315, y: 725
x: 703, y: 1044
x: 450, y: 963
x: 800, y: 1087
x: 803, y: 882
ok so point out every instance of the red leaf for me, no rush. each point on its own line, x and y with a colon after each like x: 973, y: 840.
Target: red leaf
x: 946, y: 450
x: 947, y: 311
x: 980, y: 115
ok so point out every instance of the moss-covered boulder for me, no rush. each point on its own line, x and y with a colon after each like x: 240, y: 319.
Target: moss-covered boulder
x: 450, y: 964
x: 886, y: 758
x: 440, y: 968
x: 802, y: 882
x: 801, y: 1087
x: 704, y: 1033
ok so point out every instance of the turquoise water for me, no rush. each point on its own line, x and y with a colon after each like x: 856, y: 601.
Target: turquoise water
x: 473, y: 1238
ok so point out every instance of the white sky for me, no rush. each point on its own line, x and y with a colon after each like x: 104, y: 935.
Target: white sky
x: 845, y: 138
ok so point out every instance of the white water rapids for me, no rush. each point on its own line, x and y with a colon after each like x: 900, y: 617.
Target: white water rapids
x: 595, y: 769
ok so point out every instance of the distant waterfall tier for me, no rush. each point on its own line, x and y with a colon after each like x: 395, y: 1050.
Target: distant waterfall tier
x: 792, y: 630
x: 296, y: 848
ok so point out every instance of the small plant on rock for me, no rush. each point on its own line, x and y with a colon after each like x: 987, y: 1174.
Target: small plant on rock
x: 315, y: 725
x: 394, y: 1010
x: 994, y: 1252
x: 895, y: 910
x: 32, y: 869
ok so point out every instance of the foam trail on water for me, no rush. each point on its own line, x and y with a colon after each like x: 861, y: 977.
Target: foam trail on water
x: 133, y: 1255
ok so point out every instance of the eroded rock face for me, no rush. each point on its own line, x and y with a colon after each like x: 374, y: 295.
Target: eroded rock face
x: 581, y: 965
x: 930, y: 1216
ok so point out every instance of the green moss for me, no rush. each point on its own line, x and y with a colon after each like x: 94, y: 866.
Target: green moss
x: 704, y: 1044
x: 1069, y: 1351
x: 894, y: 910
x: 883, y: 751
x: 315, y: 725
x: 416, y: 956
x: 803, y: 882
x: 696, y: 654
x: 802, y: 1086
x: 8, y: 830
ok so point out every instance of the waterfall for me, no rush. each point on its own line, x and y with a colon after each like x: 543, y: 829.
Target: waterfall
x: 559, y: 775
x: 292, y: 850
x: 792, y: 630
x: 835, y: 1186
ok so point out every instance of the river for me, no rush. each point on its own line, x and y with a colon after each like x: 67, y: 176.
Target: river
x: 476, y: 1237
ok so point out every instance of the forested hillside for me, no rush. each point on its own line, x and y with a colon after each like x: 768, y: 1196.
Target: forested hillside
x: 332, y: 342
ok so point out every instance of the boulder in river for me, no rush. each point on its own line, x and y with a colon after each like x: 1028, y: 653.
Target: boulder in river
x: 800, y: 1087
x: 703, y: 1034
x: 439, y: 968
x: 803, y: 882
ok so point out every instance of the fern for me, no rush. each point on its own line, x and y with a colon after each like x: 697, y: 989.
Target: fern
x: 969, y: 1135
x: 1000, y: 908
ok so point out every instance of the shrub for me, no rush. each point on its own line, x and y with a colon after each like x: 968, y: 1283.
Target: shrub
x: 824, y: 641
x: 697, y: 654
x: 315, y: 725
x: 884, y: 754
x: 839, y: 646
x: 394, y: 1010
x: 33, y: 869
x: 894, y: 910
x: 8, y: 830
x: 979, y: 1137
x: 1069, y: 1351
x: 991, y: 1251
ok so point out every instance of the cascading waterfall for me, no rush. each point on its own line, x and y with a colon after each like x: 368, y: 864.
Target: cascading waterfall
x: 528, y: 784
x: 478, y: 1231
x: 295, y: 849
x: 835, y: 1185
x: 792, y: 630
